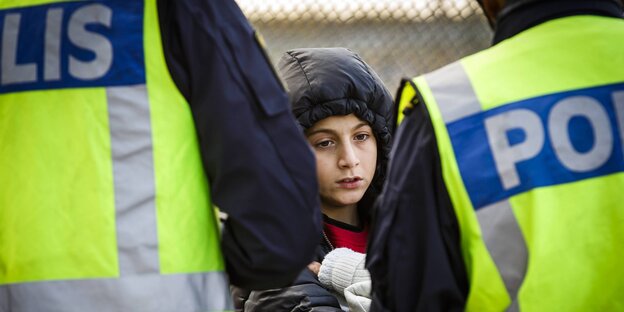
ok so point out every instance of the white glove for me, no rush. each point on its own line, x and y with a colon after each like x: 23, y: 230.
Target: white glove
x: 341, y: 268
x: 358, y: 296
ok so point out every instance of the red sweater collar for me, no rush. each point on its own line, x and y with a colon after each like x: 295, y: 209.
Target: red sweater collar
x: 345, y: 235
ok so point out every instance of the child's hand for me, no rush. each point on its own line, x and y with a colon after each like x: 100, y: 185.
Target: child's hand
x: 341, y: 268
x: 315, y: 267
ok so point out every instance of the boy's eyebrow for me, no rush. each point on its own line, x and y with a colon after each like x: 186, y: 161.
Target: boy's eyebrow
x: 330, y: 131
x: 360, y: 125
x: 321, y: 130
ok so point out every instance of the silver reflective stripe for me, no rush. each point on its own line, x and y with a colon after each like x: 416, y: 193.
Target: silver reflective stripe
x: 152, y: 292
x: 514, y: 306
x: 453, y: 92
x: 133, y: 169
x: 456, y: 99
x: 4, y: 299
x: 504, y: 240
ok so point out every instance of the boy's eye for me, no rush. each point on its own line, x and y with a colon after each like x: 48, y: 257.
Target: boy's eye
x: 324, y: 143
x: 362, y: 137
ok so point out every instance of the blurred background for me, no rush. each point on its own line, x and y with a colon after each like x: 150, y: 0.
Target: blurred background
x: 398, y: 38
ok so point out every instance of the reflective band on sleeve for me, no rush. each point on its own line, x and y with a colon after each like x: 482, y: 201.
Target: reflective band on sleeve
x: 131, y: 143
x: 504, y: 240
x: 453, y: 92
x: 184, y: 292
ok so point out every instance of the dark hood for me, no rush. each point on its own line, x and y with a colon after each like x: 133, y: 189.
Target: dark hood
x: 323, y: 82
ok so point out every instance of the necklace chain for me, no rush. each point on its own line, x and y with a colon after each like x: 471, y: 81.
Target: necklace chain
x: 327, y: 239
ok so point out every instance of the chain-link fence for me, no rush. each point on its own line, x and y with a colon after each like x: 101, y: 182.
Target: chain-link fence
x: 398, y: 38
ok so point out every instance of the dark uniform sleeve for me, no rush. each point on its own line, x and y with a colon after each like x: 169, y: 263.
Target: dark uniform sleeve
x: 261, y: 170
x: 306, y: 294
x: 414, y: 254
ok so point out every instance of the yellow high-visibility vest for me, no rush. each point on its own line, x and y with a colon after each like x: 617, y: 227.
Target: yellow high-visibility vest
x: 104, y: 203
x: 530, y: 134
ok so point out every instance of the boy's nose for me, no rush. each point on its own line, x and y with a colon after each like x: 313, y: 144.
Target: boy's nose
x: 348, y: 157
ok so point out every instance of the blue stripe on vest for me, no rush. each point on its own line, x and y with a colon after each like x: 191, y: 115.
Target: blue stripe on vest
x: 543, y: 141
x: 71, y: 45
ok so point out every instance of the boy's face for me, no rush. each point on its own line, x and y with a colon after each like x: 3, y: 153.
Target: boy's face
x: 346, y: 158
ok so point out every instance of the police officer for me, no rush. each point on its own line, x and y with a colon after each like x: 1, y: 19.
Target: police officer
x: 505, y: 183
x: 121, y: 123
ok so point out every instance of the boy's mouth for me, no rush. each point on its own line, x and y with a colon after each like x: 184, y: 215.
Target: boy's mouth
x: 351, y: 179
x: 350, y: 182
